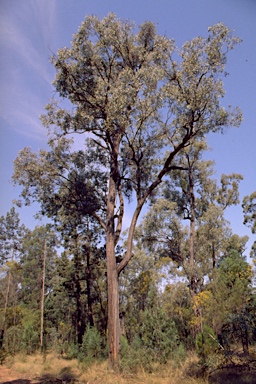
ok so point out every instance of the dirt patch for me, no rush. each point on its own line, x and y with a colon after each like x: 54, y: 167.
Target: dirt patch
x: 9, y: 376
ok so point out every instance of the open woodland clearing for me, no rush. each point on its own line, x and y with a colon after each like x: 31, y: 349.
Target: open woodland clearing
x: 49, y: 369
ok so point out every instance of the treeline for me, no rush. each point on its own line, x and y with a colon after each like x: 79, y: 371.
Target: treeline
x: 55, y: 298
x: 128, y: 131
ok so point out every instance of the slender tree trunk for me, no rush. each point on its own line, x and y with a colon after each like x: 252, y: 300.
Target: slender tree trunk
x: 80, y: 322
x: 213, y: 257
x: 6, y: 304
x: 122, y: 323
x: 80, y: 325
x: 103, y: 308
x: 193, y: 277
x: 42, y: 301
x: 193, y: 282
x: 5, y: 308
x: 192, y: 256
x: 88, y: 286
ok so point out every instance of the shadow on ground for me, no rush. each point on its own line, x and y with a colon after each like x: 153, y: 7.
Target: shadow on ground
x: 18, y: 381
x: 233, y: 375
x: 66, y: 376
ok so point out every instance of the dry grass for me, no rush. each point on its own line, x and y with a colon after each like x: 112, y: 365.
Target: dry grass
x: 99, y: 373
x: 39, y: 366
x: 52, y: 367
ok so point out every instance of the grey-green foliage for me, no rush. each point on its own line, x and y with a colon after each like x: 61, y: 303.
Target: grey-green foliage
x: 118, y: 83
x: 249, y: 209
x: 195, y: 196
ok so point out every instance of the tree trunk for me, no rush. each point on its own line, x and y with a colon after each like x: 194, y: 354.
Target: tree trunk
x: 112, y: 275
x: 193, y: 285
x: 88, y: 286
x: 122, y: 326
x: 113, y: 315
x: 213, y: 257
x: 193, y: 281
x: 79, y: 320
x: 6, y: 304
x: 42, y: 301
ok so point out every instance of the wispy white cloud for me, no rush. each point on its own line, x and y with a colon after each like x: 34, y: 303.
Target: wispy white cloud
x: 26, y: 74
x: 45, y: 12
x: 19, y: 29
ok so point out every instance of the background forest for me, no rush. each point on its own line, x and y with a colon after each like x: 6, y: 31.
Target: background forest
x: 53, y: 287
x: 175, y: 281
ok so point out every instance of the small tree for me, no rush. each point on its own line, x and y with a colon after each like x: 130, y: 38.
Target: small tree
x: 232, y: 294
x: 37, y: 266
x: 11, y: 238
x: 249, y: 208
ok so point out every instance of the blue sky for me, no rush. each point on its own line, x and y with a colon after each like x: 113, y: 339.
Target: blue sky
x: 31, y: 30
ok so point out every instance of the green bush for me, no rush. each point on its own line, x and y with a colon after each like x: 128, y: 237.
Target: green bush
x: 12, y: 339
x: 30, y: 340
x: 92, y: 346
x: 133, y: 356
x: 207, y: 348
x: 72, y: 351
x: 159, y: 335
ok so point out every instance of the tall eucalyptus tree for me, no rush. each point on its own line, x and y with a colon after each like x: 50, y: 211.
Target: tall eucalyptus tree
x: 139, y: 107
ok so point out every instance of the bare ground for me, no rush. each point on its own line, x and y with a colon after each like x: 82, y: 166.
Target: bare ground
x: 9, y: 376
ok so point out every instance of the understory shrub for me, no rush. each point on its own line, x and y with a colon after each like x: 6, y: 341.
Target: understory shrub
x: 30, y: 340
x: 92, y: 347
x: 12, y: 339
